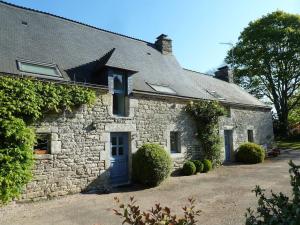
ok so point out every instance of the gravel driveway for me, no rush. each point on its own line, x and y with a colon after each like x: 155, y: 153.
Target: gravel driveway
x: 223, y: 196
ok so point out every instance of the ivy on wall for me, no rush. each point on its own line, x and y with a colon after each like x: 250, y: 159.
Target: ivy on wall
x: 206, y: 116
x: 22, y: 102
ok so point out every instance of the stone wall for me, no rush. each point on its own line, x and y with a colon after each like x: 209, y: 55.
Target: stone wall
x: 80, y: 141
x: 157, y: 117
x: 243, y: 119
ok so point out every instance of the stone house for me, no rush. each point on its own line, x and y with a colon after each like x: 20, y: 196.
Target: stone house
x: 141, y: 92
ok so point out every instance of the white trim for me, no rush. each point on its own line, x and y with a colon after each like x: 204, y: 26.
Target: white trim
x: 226, y: 127
x: 177, y: 155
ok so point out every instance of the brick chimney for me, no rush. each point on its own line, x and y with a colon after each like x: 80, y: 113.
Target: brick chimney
x: 164, y: 44
x: 225, y: 74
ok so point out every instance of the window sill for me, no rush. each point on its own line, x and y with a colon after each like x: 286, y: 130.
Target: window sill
x: 177, y: 155
x: 121, y: 117
x: 42, y: 156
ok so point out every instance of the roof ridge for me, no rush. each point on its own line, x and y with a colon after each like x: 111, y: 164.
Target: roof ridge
x: 212, y: 76
x: 74, y: 21
x: 198, y: 72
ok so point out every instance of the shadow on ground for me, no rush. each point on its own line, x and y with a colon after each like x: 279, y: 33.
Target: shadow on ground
x: 287, y: 154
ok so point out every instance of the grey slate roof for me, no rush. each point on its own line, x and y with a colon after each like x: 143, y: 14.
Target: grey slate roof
x: 77, y: 48
x: 229, y: 91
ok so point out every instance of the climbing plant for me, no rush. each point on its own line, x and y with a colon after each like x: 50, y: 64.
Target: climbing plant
x: 22, y: 102
x: 206, y: 116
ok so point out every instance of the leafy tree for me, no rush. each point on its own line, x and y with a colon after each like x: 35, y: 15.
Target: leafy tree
x: 294, y: 114
x: 266, y: 61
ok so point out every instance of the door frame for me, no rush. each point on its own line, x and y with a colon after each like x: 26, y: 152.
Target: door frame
x: 230, y: 132
x: 128, y: 156
x: 132, y: 144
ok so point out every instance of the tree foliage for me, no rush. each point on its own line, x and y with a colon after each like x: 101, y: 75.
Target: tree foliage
x: 206, y: 116
x: 278, y: 209
x: 24, y: 101
x: 294, y: 114
x: 266, y: 61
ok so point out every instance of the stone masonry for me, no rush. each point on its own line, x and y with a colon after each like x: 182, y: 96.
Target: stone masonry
x: 80, y: 141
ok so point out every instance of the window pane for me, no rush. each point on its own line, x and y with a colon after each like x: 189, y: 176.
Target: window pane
x: 250, y: 135
x: 39, y: 69
x: 43, y: 143
x: 120, y: 140
x: 121, y: 152
x: 114, y: 140
x: 174, y: 142
x: 114, y: 151
x: 119, y: 104
x: 163, y: 89
x: 119, y: 83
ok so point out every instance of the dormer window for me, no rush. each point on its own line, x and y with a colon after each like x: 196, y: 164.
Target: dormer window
x: 120, y: 85
x: 119, y: 96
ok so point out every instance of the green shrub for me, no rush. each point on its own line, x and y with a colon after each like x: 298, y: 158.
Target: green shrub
x: 206, y: 117
x: 151, y: 165
x: 250, y: 153
x: 199, y: 165
x: 130, y: 213
x: 189, y: 168
x: 207, y: 165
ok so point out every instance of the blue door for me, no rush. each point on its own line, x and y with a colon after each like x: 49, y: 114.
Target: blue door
x: 119, y: 158
x: 228, y: 144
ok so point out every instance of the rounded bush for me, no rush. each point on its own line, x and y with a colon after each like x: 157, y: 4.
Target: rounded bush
x: 189, y: 168
x: 199, y: 165
x: 250, y: 153
x: 207, y: 165
x: 151, y: 165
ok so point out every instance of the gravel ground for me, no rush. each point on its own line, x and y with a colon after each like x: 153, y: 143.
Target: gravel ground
x: 223, y: 196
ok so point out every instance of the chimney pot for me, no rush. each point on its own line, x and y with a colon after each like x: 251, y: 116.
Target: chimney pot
x: 164, y: 44
x: 225, y: 74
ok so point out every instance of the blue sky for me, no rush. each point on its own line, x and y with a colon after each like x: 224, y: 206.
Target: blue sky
x: 195, y: 26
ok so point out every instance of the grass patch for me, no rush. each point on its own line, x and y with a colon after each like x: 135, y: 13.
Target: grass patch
x: 288, y: 144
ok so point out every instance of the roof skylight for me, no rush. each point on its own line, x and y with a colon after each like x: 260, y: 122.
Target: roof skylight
x: 39, y: 69
x: 215, y: 94
x: 162, y: 89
